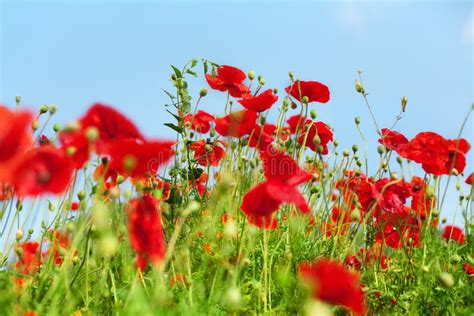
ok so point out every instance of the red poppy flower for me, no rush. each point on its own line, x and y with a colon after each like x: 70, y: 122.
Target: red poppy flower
x: 468, y: 268
x: 59, y: 240
x: 74, y: 206
x: 453, y: 233
x: 309, y: 132
x: 207, y: 154
x: 111, y: 126
x: 200, y: 122
x: 228, y: 79
x: 262, y: 136
x: 259, y: 103
x: 29, y: 257
x: 398, y: 230
x: 392, y: 139
x: 469, y: 178
x: 332, y: 283
x: 353, y: 262
x: 15, y: 138
x: 236, y: 124
x: 137, y: 160
x: 436, y: 154
x: 43, y: 170
x: 283, y: 176
x: 420, y: 201
x: 145, y: 231
x: 313, y: 90
x: 297, y: 122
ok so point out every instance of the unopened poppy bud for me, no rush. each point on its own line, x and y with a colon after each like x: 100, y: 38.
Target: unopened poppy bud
x: 208, y: 148
x: 43, y: 109
x: 319, y: 149
x: 51, y: 206
x: 355, y: 214
x: 262, y: 120
x: 345, y: 153
x: 290, y: 74
x: 355, y: 148
x: 430, y: 192
x: 19, y: 251
x: 31, y: 231
x: 304, y: 99
x: 92, y: 134
x: 444, y: 220
x: 356, y: 156
x: 19, y: 205
x: 380, y: 149
x: 53, y: 108
x: 404, y: 103
x: 294, y: 105
x: 18, y: 99
x: 313, y: 113
x: 446, y: 279
x: 70, y: 150
x: 357, y: 120
x: 203, y: 92
x: 336, y: 143
x: 251, y: 75
x: 120, y: 179
x: 129, y: 162
x: 212, y: 133
x: 253, y: 162
x: 275, y: 91
x: 357, y: 173
x: 458, y: 186
x: 317, y: 140
x: 72, y: 126
x: 394, y: 176
x: 359, y: 87
x: 56, y: 127
x: 454, y: 172
x: 233, y: 297
x: 359, y: 163
x: 233, y: 145
x: 81, y: 195
x: 231, y: 230
x: 399, y: 160
x: 34, y: 125
x: 19, y: 234
x: 286, y: 102
x: 261, y: 80
x: 384, y: 164
x: 70, y: 227
x: 435, y: 212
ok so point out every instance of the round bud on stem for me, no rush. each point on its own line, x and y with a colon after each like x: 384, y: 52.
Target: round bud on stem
x: 81, y: 195
x: 446, y: 279
x: 56, y: 127
x: 355, y: 148
x: 404, y: 103
x: 203, y: 92
x: 336, y: 143
x: 313, y: 113
x: 359, y: 87
x: 345, y: 153
x: 19, y: 234
x: 261, y: 80
x: 251, y: 75
x: 34, y: 125
x: 357, y: 120
x: 53, y: 108
x: 92, y: 134
x: 43, y: 109
x: 305, y: 99
x: 18, y: 100
x: 275, y: 91
x: 380, y: 149
x: 290, y: 74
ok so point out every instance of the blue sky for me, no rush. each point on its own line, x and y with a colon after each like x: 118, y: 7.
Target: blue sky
x: 73, y: 53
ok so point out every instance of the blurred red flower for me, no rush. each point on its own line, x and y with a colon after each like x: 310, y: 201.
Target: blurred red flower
x: 29, y: 257
x: 259, y: 103
x: 469, y: 178
x: 230, y: 79
x: 236, y: 124
x: 200, y: 122
x: 310, y: 130
x: 208, y: 154
x: 145, y: 231
x: 332, y: 283
x: 453, y: 233
x: 392, y: 139
x: 262, y: 136
x: 42, y: 170
x: 313, y: 90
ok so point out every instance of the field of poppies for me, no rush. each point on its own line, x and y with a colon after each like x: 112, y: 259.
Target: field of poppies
x: 236, y: 214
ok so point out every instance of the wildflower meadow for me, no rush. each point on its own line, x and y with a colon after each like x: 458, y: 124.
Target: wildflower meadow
x: 239, y: 213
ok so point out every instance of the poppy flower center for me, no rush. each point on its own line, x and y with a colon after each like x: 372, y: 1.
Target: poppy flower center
x: 44, y: 177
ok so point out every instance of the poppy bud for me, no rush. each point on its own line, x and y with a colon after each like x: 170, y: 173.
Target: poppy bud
x: 359, y: 163
x: 357, y: 120
x: 31, y: 231
x: 129, y: 162
x: 81, y: 195
x: 356, y: 157
x: 253, y: 162
x: 380, y: 149
x: 313, y: 113
x: 19, y: 234
x: 233, y: 297
x: 70, y: 150
x: 290, y: 74
x: 34, y: 125
x: 458, y: 186
x: 53, y: 109
x: 212, y: 133
x: 261, y: 80
x: 304, y: 99
x: 19, y: 205
x: 355, y: 214
x: 286, y: 102
x: 336, y: 143
x: 320, y: 149
x: 262, y: 120
x: 51, y: 206
x: 404, y: 103
x: 435, y: 212
x: 355, y: 148
x: 430, y: 192
x: 18, y: 100
x: 92, y: 133
x: 43, y: 109
x: 293, y: 105
x: 393, y: 176
x: 120, y: 179
x: 203, y: 92
x: 357, y: 173
x: 275, y: 90
x: 19, y: 251
x: 345, y: 152
x: 244, y: 142
x: 359, y: 87
x: 384, y: 164
x: 399, y: 160
x: 251, y: 75
x: 70, y: 227
x: 56, y: 127
x: 317, y: 140
x: 446, y: 279
x: 444, y: 220
x: 454, y: 172
x: 208, y: 148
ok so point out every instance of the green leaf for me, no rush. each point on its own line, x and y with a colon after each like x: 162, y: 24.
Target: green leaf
x: 177, y: 72
x: 188, y: 71
x: 172, y: 97
x: 174, y: 115
x: 174, y: 127
x: 193, y: 63
x: 206, y: 68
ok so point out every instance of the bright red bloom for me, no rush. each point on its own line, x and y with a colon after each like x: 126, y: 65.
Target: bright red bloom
x: 228, y: 79
x: 59, y: 240
x: 353, y: 262
x: 74, y: 206
x: 470, y: 178
x: 392, y: 139
x: 310, y: 130
x: 15, y: 139
x: 315, y: 91
x: 111, y: 126
x: 145, y: 231
x: 332, y: 283
x: 43, y: 170
x: 297, y: 122
x: 259, y: 103
x: 283, y: 176
x: 436, y: 154
x: 29, y: 257
x: 453, y: 233
x: 136, y: 160
x: 200, y: 122
x: 398, y: 230
x: 420, y: 201
x: 468, y: 268
x: 262, y: 136
x: 207, y: 154
x: 236, y: 124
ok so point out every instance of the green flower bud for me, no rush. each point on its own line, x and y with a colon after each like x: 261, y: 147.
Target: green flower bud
x: 380, y: 149
x: 357, y: 120
x: 399, y: 160
x: 251, y: 75
x: 305, y: 99
x: 261, y: 80
x: 53, y: 108
x: 56, y: 127
x: 355, y: 148
x: 275, y: 91
x: 203, y: 92
x: 18, y: 99
x: 345, y: 152
x: 359, y: 87
x: 92, y: 134
x: 81, y: 195
x: 34, y: 125
x: 31, y: 231
x: 313, y: 113
x: 317, y: 140
x: 404, y: 103
x: 290, y: 74
x: 43, y: 109
x: 19, y: 234
x: 446, y: 279
x: 336, y: 143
